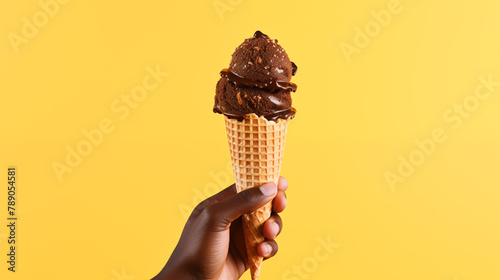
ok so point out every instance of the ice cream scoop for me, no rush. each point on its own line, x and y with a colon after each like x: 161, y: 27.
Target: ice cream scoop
x: 257, y: 81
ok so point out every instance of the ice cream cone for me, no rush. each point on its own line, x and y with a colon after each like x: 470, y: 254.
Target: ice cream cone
x: 256, y: 146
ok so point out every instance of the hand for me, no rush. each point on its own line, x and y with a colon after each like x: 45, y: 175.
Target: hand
x: 212, y: 245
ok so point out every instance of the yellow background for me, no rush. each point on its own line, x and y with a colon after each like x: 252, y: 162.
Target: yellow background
x: 119, y: 213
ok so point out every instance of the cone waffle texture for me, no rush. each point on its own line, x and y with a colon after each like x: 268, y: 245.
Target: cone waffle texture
x: 256, y: 146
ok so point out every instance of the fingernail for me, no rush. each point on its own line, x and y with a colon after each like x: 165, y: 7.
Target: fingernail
x: 267, y: 249
x: 268, y: 189
x: 276, y: 229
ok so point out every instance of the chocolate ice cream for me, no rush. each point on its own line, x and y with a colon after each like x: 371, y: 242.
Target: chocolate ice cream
x: 257, y: 81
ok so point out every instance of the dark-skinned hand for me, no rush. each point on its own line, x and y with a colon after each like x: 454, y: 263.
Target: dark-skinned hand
x: 212, y: 244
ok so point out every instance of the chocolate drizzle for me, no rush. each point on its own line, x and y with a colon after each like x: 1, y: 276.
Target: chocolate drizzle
x: 272, y: 86
x: 259, y: 34
x: 294, y: 69
x: 283, y: 114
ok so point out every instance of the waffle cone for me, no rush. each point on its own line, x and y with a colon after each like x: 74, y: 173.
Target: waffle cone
x: 256, y: 146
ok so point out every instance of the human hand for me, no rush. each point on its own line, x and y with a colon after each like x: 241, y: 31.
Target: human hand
x: 212, y: 244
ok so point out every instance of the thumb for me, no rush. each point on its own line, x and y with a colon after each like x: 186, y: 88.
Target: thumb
x: 228, y: 210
